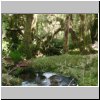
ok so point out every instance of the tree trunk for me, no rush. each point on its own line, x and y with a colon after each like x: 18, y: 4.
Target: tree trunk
x: 85, y: 36
x: 27, y: 41
x: 67, y: 26
x: 94, y: 29
x: 82, y: 33
x: 72, y: 32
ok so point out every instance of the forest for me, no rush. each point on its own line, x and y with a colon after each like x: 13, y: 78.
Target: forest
x: 49, y: 49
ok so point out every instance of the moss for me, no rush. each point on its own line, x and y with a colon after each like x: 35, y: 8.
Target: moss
x: 83, y: 67
x: 8, y: 80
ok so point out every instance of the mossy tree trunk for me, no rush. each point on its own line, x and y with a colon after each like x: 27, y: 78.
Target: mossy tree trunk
x: 27, y: 40
x: 84, y: 35
x: 74, y: 36
x: 66, y: 32
x: 94, y: 28
x: 88, y: 39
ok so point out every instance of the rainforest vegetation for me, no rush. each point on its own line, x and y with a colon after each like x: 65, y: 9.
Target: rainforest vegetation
x: 61, y: 43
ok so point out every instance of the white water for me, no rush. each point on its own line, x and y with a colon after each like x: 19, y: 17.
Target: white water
x: 62, y: 81
x: 26, y: 83
x: 45, y: 82
x: 48, y: 74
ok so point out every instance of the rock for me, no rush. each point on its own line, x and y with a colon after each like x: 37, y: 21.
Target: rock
x: 53, y: 79
x: 40, y: 79
x: 59, y: 80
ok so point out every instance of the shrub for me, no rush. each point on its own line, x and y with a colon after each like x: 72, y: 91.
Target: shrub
x: 15, y: 55
x: 8, y: 80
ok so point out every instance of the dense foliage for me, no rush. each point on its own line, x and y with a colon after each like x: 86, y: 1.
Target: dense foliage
x: 64, y: 41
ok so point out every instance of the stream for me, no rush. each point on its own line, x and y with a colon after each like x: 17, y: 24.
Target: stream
x: 51, y: 79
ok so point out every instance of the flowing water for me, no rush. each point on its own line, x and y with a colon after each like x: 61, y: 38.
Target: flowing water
x: 51, y: 79
x: 27, y: 83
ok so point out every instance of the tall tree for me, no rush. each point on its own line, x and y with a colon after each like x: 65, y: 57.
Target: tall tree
x: 94, y: 28
x: 82, y: 33
x: 85, y: 35
x: 67, y: 27
x: 27, y: 38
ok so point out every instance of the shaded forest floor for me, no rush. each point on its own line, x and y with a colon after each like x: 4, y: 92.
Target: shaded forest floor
x: 83, y: 67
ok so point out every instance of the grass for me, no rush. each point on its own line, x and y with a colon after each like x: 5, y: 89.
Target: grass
x: 83, y: 67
